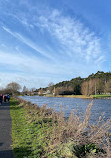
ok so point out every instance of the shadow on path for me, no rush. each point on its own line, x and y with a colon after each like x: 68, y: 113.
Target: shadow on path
x: 6, y: 154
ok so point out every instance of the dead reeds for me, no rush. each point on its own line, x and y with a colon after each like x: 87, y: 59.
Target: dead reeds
x: 84, y: 138
x: 81, y: 132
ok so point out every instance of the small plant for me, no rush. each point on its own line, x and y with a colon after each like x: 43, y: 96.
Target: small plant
x: 83, y: 150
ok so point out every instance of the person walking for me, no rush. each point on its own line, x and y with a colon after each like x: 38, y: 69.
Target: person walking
x: 1, y: 98
x: 8, y: 97
x: 5, y: 98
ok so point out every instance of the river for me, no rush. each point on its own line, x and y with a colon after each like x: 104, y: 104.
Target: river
x: 69, y: 104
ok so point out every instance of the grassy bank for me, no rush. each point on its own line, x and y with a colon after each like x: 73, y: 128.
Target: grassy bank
x: 71, y: 96
x: 75, y: 96
x: 30, y: 131
x: 82, y: 96
x: 101, y: 96
x: 41, y: 133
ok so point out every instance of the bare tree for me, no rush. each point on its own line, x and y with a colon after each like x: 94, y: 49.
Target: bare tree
x: 93, y: 86
x: 108, y: 87
x: 13, y: 87
x: 51, y: 87
x: 50, y: 84
x: 25, y: 90
x: 84, y: 88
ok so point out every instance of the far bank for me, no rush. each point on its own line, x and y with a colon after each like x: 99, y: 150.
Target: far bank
x: 82, y: 96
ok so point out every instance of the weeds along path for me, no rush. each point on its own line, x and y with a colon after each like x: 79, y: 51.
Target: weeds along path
x: 42, y: 133
x: 5, y: 131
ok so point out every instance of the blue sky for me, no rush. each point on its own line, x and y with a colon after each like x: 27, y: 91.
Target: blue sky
x: 43, y: 41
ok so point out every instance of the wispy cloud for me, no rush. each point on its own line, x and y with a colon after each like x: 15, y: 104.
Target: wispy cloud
x: 77, y: 39
x: 28, y: 42
x: 74, y: 38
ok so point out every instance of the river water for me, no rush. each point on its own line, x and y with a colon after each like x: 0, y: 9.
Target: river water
x: 99, y: 107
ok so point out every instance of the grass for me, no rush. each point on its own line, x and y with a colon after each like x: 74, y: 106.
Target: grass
x: 81, y: 96
x: 100, y: 96
x: 41, y: 133
x: 29, y: 131
x: 71, y: 96
x: 88, y: 97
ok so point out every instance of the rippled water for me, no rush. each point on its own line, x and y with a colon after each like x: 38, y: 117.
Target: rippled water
x: 99, y: 105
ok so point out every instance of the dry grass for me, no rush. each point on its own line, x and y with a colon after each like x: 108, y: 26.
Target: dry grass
x: 79, y: 133
x: 75, y: 96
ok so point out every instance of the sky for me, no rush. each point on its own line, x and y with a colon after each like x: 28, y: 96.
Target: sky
x: 43, y: 41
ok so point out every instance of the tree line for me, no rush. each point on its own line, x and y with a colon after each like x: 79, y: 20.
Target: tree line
x: 98, y: 83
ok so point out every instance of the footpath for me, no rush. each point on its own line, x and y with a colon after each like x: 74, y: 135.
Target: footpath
x: 5, y: 131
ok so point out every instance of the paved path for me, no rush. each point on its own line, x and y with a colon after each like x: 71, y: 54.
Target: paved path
x: 5, y: 131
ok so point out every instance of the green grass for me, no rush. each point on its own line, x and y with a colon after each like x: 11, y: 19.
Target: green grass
x: 70, y: 96
x: 29, y: 134
x: 81, y: 96
x: 100, y: 96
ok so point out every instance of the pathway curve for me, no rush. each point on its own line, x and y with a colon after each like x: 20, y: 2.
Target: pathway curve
x: 5, y: 131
